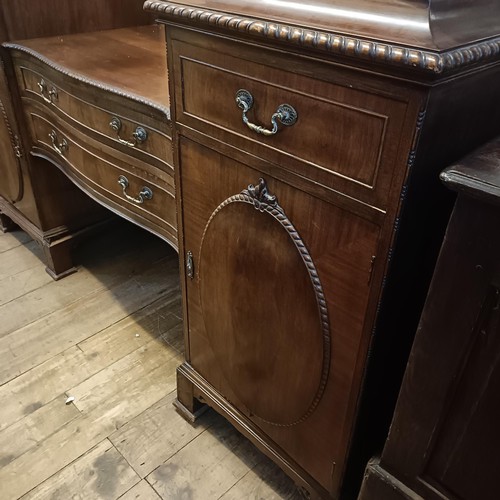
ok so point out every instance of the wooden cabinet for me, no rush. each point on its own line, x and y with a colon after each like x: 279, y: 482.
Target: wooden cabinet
x: 444, y: 436
x: 11, y: 187
x: 109, y: 134
x: 39, y: 199
x: 307, y: 242
x: 284, y: 238
x: 286, y: 357
x: 307, y: 142
x: 34, y: 194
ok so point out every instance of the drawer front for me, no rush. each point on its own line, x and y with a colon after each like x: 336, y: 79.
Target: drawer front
x: 140, y: 194
x: 92, y: 109
x: 345, y: 139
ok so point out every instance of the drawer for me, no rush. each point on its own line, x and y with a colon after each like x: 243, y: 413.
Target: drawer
x: 126, y: 124
x: 140, y: 193
x: 345, y: 138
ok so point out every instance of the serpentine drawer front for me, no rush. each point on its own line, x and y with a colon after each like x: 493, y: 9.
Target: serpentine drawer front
x: 108, y: 131
x: 320, y: 119
x: 46, y: 85
x: 140, y: 193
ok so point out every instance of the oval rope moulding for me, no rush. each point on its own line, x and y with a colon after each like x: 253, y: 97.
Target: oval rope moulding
x: 280, y: 337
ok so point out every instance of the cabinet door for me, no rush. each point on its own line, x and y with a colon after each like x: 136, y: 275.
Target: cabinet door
x: 10, y: 169
x: 276, y: 303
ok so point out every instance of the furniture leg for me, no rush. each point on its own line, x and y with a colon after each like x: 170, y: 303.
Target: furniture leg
x: 186, y: 404
x: 58, y: 258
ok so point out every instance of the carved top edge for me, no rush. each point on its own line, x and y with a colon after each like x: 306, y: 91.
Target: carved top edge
x: 429, y: 61
x: 89, y: 81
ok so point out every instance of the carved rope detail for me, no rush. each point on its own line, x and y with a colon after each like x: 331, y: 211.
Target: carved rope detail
x: 426, y: 60
x: 259, y: 197
x: 402, y: 199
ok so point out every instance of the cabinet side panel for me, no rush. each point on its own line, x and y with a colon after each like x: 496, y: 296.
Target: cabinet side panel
x: 10, y: 169
x: 37, y: 18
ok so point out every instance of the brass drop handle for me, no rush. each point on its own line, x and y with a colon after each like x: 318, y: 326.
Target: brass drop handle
x: 52, y: 93
x: 60, y: 147
x: 140, y: 135
x: 145, y: 193
x: 285, y: 114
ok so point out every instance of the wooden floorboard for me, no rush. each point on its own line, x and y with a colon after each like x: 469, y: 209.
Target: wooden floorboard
x: 13, y: 239
x: 100, y: 473
x: 19, y: 259
x: 17, y: 285
x: 141, y: 491
x: 54, y: 296
x: 109, y: 336
x: 157, y: 435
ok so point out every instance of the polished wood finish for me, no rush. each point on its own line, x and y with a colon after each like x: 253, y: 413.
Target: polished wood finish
x: 301, y: 290
x: 344, y: 253
x: 39, y: 198
x: 309, y: 367
x: 81, y: 107
x: 11, y: 187
x: 429, y: 24
x: 45, y: 18
x: 427, y: 37
x: 332, y: 119
x: 443, y: 437
x: 74, y: 93
x: 234, y: 362
x: 97, y: 169
x: 128, y: 60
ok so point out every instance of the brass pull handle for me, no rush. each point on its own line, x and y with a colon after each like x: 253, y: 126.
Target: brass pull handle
x: 60, y: 147
x: 140, y: 135
x: 189, y: 265
x: 145, y: 194
x: 52, y: 93
x: 285, y: 114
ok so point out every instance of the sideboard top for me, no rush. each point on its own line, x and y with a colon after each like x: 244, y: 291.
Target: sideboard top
x: 433, y: 35
x: 428, y: 24
x: 126, y: 61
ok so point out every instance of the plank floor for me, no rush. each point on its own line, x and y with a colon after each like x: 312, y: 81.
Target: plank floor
x: 110, y: 336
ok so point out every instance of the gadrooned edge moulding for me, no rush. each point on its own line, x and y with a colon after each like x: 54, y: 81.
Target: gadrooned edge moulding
x: 438, y: 63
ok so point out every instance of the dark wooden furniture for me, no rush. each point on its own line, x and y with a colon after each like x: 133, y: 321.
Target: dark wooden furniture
x: 307, y: 253
x: 33, y: 194
x: 97, y: 107
x: 444, y: 436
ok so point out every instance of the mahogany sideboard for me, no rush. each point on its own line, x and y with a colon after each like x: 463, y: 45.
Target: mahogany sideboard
x: 34, y: 194
x: 107, y: 130
x: 308, y: 140
x: 306, y: 143
x: 444, y: 437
